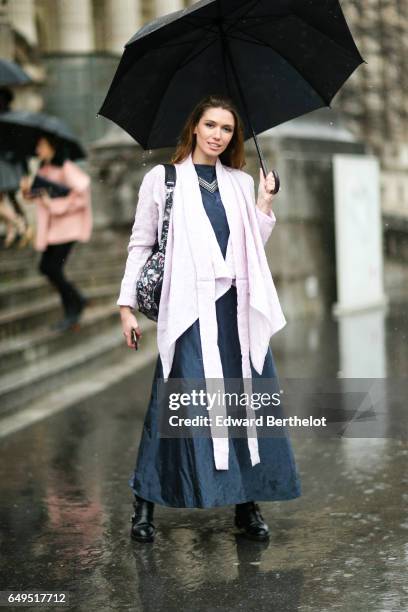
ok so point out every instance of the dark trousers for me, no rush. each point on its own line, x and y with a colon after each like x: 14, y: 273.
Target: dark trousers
x: 52, y: 266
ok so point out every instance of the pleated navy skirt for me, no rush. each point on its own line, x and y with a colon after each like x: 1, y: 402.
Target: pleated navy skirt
x: 180, y: 472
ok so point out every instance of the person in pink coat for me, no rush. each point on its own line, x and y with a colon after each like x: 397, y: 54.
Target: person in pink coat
x: 218, y: 310
x: 61, y: 222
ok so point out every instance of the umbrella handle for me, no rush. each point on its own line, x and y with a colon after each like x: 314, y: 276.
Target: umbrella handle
x: 277, y: 181
x: 275, y: 176
x: 265, y: 169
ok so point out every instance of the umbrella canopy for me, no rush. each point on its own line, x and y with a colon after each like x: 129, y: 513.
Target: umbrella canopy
x: 11, y: 74
x: 276, y: 60
x: 20, y: 131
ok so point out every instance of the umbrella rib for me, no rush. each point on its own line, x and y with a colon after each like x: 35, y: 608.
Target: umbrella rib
x: 214, y: 28
x: 251, y: 6
x: 175, y: 44
x: 178, y: 44
x: 265, y: 44
x: 296, y: 16
x: 180, y: 65
x: 346, y: 51
x: 201, y: 26
x: 196, y: 23
x: 191, y: 57
x: 302, y: 19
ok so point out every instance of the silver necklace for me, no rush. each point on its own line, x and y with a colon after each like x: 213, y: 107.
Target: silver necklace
x: 211, y: 187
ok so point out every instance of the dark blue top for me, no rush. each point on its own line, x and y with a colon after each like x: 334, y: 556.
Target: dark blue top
x: 214, y: 207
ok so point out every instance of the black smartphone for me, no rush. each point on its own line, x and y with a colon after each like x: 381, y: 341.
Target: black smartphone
x: 134, y: 338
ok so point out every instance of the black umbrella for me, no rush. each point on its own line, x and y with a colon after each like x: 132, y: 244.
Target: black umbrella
x: 276, y: 59
x: 20, y: 131
x: 11, y: 74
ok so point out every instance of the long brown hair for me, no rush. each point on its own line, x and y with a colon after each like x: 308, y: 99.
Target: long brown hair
x: 234, y: 154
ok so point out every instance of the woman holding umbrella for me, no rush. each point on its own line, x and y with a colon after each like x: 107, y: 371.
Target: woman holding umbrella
x: 218, y: 310
x: 61, y: 221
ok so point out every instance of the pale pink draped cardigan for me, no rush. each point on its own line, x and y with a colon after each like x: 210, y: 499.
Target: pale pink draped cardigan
x: 70, y: 217
x: 196, y: 274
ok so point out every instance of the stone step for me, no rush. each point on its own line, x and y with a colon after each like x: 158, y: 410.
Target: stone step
x: 22, y: 387
x: 14, y: 272
x: 14, y: 269
x: 25, y: 349
x: 101, y: 242
x: 27, y: 317
x: 35, y: 287
x: 80, y: 390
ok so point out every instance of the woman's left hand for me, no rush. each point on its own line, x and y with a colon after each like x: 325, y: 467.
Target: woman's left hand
x: 266, y: 186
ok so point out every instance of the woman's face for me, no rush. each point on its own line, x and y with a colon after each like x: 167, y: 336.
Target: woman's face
x: 214, y: 131
x: 44, y: 150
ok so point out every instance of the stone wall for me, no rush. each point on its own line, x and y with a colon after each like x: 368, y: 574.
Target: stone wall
x: 375, y: 99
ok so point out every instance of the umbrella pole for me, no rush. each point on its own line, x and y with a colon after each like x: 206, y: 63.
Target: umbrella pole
x: 260, y: 154
x: 258, y: 148
x: 225, y: 46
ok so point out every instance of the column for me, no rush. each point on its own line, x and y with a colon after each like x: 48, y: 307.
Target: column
x: 122, y: 20
x: 22, y: 17
x: 6, y: 36
x: 75, y: 26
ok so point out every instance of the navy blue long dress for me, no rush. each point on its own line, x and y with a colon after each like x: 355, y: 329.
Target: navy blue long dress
x: 180, y: 472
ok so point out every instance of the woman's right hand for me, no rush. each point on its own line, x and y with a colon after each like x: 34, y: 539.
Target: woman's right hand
x: 129, y: 322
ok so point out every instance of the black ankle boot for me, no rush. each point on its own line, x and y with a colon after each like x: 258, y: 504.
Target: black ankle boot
x: 143, y: 529
x: 249, y: 518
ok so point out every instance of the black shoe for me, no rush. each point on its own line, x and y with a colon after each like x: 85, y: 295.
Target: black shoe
x: 72, y: 317
x: 69, y: 322
x: 143, y: 529
x: 83, y: 303
x: 249, y: 518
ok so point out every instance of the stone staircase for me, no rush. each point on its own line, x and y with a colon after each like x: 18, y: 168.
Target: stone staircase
x: 36, y: 361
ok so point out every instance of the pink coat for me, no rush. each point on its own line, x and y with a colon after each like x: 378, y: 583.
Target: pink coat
x: 196, y: 274
x: 69, y: 218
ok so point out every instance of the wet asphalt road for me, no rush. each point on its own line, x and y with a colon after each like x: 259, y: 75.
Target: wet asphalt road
x: 343, y: 545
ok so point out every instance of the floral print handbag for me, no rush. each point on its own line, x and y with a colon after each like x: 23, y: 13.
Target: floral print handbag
x: 149, y: 284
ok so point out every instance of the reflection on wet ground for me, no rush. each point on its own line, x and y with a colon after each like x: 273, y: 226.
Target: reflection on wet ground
x: 343, y: 545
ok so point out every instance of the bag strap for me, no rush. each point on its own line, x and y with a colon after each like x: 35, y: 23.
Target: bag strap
x: 170, y: 180
x: 170, y: 175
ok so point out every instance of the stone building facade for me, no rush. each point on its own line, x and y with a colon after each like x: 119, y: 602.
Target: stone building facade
x: 72, y: 48
x: 375, y: 99
x: 79, y: 43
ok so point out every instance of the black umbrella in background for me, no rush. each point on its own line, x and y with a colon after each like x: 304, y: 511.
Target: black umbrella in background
x: 20, y: 131
x: 11, y: 74
x: 276, y: 59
